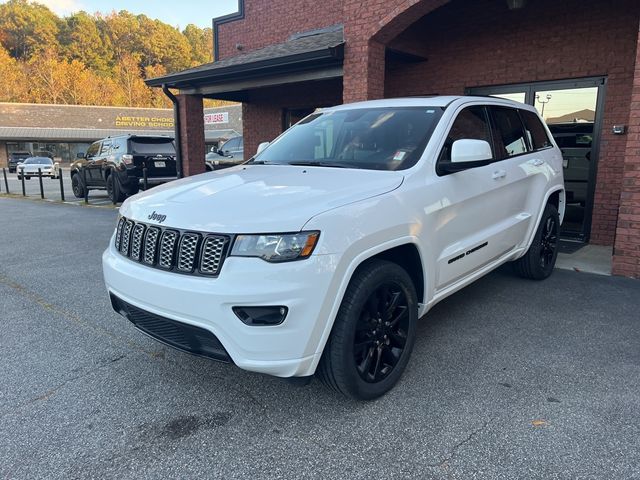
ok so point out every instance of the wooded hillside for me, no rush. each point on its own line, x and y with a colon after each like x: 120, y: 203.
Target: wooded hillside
x: 91, y: 59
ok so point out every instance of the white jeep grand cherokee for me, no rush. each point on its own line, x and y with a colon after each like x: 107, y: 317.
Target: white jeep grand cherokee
x: 320, y: 253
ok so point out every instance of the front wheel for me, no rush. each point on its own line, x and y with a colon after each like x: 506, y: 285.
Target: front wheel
x: 373, y: 333
x: 77, y: 186
x: 540, y: 259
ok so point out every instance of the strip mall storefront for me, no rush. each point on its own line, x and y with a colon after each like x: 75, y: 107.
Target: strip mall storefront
x: 577, y: 61
x: 66, y: 130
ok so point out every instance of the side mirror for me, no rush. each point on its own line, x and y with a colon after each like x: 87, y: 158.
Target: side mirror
x: 467, y: 153
x: 262, y: 146
x: 467, y: 150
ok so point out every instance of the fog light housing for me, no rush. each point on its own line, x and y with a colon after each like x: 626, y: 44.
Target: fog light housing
x: 261, y: 316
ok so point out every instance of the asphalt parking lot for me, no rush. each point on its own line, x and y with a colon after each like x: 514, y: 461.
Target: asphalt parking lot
x: 509, y: 379
x: 51, y: 188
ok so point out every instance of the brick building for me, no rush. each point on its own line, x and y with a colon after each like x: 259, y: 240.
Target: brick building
x: 578, y: 61
x: 66, y: 130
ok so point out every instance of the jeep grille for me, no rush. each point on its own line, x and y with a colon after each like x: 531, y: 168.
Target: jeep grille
x: 196, y: 253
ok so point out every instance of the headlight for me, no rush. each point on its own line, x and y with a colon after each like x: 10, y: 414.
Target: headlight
x: 276, y: 247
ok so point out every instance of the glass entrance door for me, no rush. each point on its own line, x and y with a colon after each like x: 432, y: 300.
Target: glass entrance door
x: 572, y: 110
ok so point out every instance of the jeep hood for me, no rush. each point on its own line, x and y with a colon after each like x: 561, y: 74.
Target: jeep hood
x: 257, y: 198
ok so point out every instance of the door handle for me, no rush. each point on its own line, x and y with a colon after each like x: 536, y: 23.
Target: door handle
x: 499, y: 174
x: 536, y: 162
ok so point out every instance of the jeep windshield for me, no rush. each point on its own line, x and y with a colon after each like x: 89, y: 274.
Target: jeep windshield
x: 365, y: 138
x: 152, y: 146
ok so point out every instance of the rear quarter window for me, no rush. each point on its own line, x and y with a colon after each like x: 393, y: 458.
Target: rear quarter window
x: 535, y: 130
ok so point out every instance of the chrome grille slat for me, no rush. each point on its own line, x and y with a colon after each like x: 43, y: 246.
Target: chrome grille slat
x: 167, y: 248
x: 187, y: 251
x: 212, y: 254
x: 151, y: 245
x: 126, y: 237
x: 182, y: 252
x: 136, y: 241
x: 119, y: 232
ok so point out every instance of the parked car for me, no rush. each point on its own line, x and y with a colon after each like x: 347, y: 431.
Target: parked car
x: 229, y: 154
x: 575, y: 140
x: 116, y: 164
x: 321, y: 253
x: 15, y: 158
x: 29, y: 168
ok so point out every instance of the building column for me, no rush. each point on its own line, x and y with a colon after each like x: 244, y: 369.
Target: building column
x: 364, y: 69
x: 261, y: 122
x: 626, y: 252
x: 192, y: 134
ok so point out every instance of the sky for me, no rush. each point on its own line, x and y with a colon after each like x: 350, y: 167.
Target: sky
x: 198, y: 12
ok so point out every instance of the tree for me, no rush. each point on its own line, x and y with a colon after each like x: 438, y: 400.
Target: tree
x: 14, y: 81
x: 27, y: 28
x: 82, y: 41
x: 201, y: 42
x: 132, y: 90
x: 47, y: 74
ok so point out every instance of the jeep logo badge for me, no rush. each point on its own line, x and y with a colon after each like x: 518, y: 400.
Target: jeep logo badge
x: 157, y: 216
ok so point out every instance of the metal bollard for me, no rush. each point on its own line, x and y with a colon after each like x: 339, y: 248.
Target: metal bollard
x: 6, y: 183
x: 40, y: 180
x: 61, y: 185
x: 144, y: 179
x: 24, y: 192
x: 84, y: 185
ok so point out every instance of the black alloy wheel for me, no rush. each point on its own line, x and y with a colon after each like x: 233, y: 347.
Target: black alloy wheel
x: 76, y: 186
x: 373, y: 333
x: 540, y: 260
x: 381, y: 332
x: 549, y: 242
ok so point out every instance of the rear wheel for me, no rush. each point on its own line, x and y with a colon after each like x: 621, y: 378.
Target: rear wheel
x: 373, y: 333
x: 540, y: 259
x: 114, y: 189
x: 77, y: 186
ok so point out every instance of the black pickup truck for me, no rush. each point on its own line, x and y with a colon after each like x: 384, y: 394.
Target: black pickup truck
x: 116, y: 164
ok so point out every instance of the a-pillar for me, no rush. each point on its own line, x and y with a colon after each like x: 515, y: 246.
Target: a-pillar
x: 626, y: 253
x: 192, y: 134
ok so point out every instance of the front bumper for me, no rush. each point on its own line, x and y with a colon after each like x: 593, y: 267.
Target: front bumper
x: 289, y: 349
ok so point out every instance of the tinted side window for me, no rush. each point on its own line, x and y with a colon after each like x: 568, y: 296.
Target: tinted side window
x: 232, y: 144
x: 471, y: 123
x: 509, y: 135
x: 119, y: 145
x: 92, y: 151
x: 106, y: 146
x: 535, y: 130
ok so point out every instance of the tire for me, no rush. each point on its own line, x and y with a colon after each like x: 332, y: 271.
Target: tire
x: 27, y: 178
x: 365, y: 356
x: 540, y: 259
x: 114, y: 189
x: 77, y: 186
x: 19, y: 177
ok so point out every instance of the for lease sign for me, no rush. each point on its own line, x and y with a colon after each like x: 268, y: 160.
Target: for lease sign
x: 215, y: 118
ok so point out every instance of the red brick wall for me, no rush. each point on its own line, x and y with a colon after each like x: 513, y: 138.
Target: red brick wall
x: 626, y: 258
x: 262, y: 115
x: 272, y: 21
x: 544, y: 41
x: 192, y: 134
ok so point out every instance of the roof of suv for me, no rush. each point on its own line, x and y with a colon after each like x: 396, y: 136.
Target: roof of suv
x: 435, y: 101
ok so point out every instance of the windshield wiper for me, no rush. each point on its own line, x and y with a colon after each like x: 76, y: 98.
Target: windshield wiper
x: 312, y: 163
